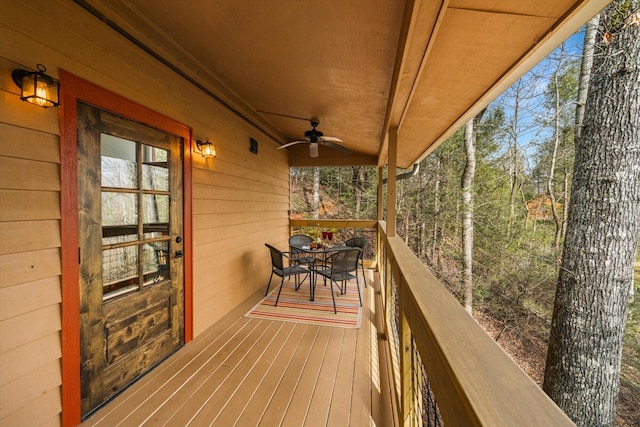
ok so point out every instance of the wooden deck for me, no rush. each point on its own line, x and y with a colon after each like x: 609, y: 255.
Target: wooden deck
x: 250, y: 372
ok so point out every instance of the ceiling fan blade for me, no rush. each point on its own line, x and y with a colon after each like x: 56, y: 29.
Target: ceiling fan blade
x: 337, y: 147
x: 331, y: 139
x: 313, y: 150
x: 289, y: 144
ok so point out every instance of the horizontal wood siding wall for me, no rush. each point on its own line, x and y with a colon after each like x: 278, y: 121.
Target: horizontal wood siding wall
x: 240, y: 200
x: 30, y: 295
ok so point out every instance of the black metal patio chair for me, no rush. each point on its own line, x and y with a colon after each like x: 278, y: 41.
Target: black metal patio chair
x: 359, y: 242
x: 343, y: 263
x: 295, y: 243
x: 278, y: 268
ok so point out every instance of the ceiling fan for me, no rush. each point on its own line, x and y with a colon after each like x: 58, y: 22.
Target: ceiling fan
x: 314, y: 137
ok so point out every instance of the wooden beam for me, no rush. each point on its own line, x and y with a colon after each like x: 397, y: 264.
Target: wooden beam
x: 299, y: 156
x: 380, y: 194
x: 408, y: 23
x: 391, y: 182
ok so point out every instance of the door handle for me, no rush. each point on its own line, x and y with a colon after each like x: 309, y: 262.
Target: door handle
x: 179, y: 254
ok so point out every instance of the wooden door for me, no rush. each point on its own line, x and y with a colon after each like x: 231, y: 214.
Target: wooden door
x: 131, y: 266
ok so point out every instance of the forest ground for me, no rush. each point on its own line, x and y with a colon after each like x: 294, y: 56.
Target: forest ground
x: 528, y: 347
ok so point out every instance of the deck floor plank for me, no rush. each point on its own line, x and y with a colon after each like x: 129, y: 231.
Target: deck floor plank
x: 266, y: 346
x: 249, y: 372
x: 211, y: 379
x: 339, y: 413
x: 276, y: 390
x: 141, y: 396
x: 364, y: 375
x: 163, y: 404
x: 290, y: 405
x: 185, y: 379
x: 320, y: 403
x: 262, y: 378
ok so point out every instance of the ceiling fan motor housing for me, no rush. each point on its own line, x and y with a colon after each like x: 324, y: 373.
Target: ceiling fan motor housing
x: 313, y: 134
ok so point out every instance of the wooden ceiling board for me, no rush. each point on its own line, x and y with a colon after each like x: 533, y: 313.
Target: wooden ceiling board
x: 361, y: 66
x: 425, y: 14
x: 333, y: 62
x: 542, y: 8
x: 472, y: 51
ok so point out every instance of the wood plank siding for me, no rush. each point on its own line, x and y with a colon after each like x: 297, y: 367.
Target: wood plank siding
x: 240, y: 200
x: 247, y: 372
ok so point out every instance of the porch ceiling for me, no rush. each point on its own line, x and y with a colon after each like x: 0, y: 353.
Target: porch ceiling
x: 361, y: 66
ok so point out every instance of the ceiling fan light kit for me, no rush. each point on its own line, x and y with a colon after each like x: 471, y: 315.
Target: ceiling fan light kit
x: 313, y: 150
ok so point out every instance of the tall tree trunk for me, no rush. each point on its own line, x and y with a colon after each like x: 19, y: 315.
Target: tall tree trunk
x: 435, y: 253
x: 566, y: 190
x: 423, y: 240
x: 585, y: 345
x: 513, y: 166
x: 585, y: 72
x: 316, y: 193
x: 554, y: 155
x: 583, y: 87
x: 356, y: 182
x: 467, y: 214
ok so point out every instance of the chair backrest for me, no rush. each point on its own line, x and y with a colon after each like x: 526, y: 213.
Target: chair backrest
x: 276, y: 257
x: 300, y: 239
x: 345, y: 261
x: 356, y: 242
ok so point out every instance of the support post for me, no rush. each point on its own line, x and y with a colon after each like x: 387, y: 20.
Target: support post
x: 380, y: 193
x: 391, y: 182
x: 406, y: 376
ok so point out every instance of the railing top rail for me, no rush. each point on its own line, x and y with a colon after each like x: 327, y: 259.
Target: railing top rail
x: 338, y: 223
x: 475, y: 382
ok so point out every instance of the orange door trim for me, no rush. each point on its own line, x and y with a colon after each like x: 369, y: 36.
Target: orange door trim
x: 72, y: 89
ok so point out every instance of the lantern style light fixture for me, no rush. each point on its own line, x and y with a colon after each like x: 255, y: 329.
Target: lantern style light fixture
x: 37, y: 87
x: 206, y: 148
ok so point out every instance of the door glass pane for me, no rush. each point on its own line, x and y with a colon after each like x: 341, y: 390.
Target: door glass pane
x: 118, y: 162
x: 120, y: 209
x: 156, y: 262
x: 156, y: 215
x: 155, y: 172
x: 119, y: 271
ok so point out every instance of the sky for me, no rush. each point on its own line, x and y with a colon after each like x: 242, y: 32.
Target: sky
x: 533, y: 85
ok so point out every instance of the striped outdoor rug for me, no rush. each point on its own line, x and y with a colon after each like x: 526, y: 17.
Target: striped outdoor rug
x: 294, y: 306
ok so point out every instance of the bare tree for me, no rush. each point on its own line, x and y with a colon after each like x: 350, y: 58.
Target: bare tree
x: 585, y: 345
x: 316, y: 193
x: 585, y: 71
x: 518, y: 99
x: 467, y: 211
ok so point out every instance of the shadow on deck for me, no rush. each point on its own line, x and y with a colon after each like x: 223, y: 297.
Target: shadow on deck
x: 248, y: 372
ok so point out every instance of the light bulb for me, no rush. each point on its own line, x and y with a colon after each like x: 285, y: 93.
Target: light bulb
x: 42, y: 94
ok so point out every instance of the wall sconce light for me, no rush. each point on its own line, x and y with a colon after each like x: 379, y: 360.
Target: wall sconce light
x: 37, y: 87
x: 206, y: 148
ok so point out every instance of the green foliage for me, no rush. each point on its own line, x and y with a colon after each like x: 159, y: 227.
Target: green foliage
x: 344, y: 192
x: 480, y: 294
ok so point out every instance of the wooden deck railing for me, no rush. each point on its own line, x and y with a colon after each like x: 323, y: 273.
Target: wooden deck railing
x: 343, y: 229
x: 433, y: 340
x: 475, y: 383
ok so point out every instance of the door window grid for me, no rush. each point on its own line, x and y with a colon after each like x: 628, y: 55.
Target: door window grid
x: 135, y: 215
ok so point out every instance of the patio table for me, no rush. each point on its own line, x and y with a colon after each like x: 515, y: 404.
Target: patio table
x: 319, y: 255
